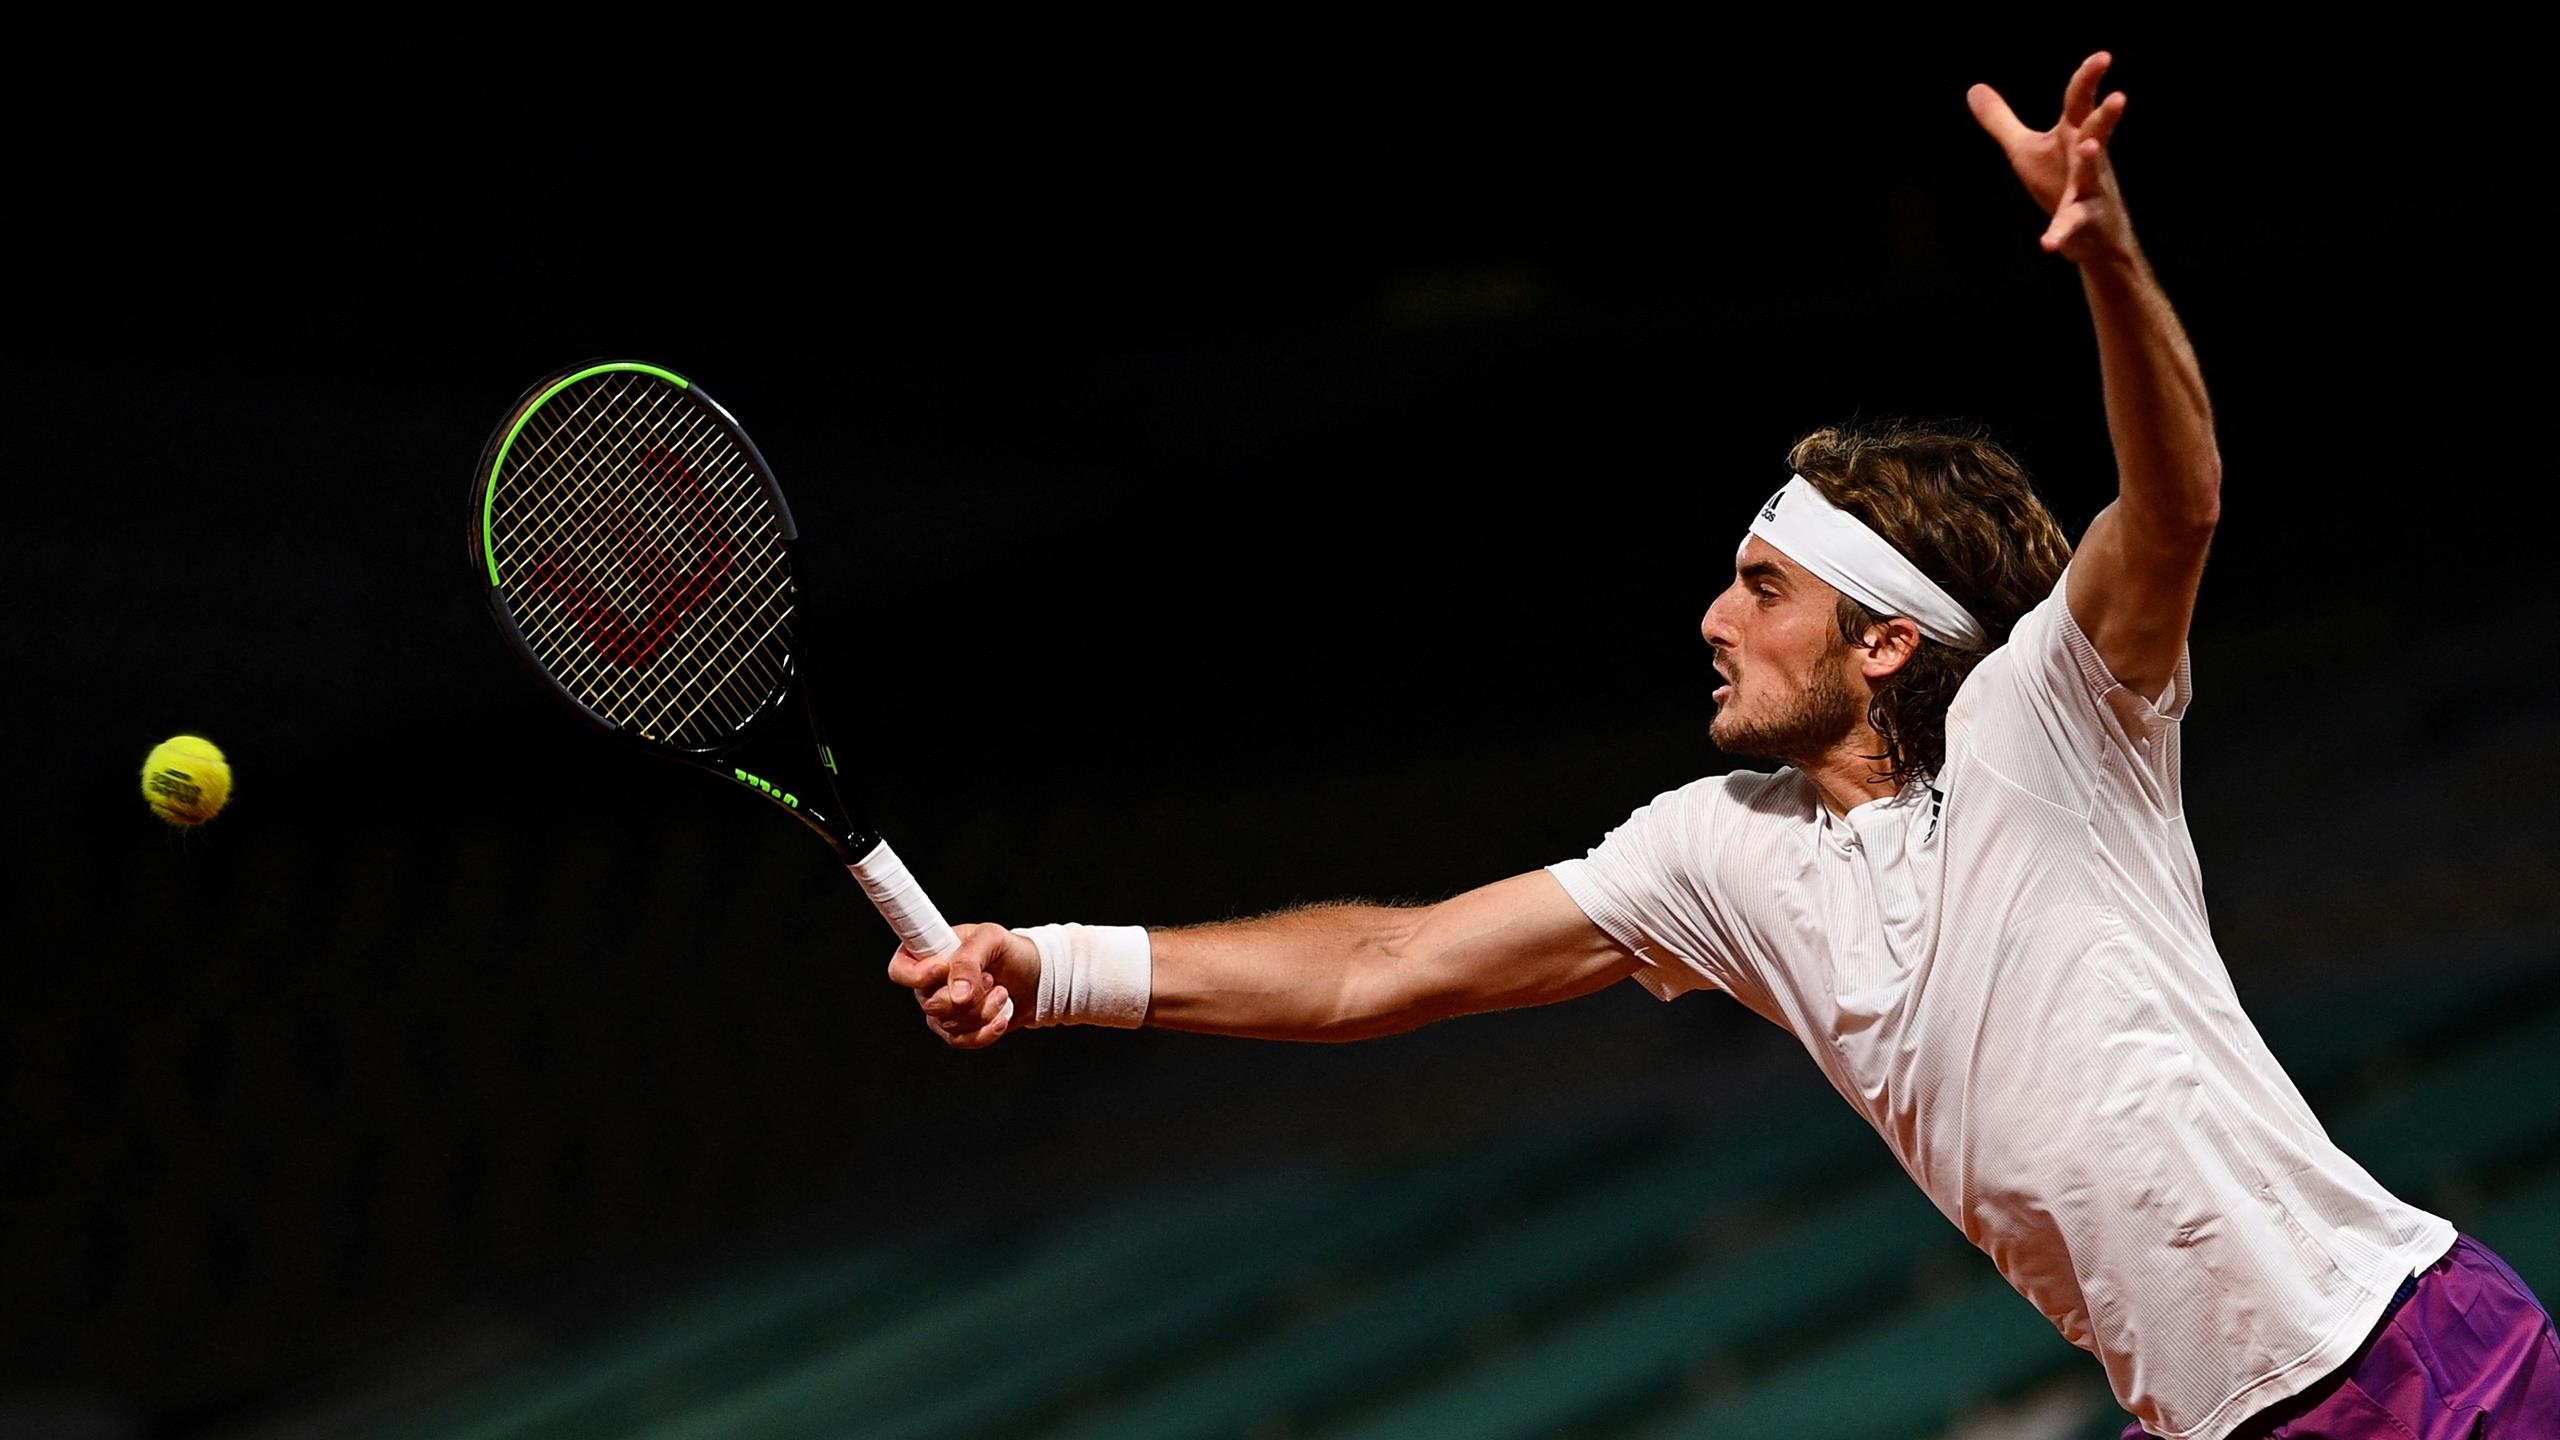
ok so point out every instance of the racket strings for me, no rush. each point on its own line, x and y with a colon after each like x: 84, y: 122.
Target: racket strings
x: 664, y: 695
x: 658, y: 689
x: 650, y: 573
x: 613, y: 565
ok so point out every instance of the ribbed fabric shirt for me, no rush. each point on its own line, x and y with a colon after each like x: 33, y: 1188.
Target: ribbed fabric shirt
x: 2008, y: 971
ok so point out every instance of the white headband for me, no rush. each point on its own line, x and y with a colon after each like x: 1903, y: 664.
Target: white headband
x: 1835, y: 545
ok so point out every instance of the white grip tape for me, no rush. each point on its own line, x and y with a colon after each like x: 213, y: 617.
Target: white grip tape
x: 903, y: 903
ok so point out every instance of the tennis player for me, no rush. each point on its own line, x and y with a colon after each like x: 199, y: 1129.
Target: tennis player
x: 1968, y: 889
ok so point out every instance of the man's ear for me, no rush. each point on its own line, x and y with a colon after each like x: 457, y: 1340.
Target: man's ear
x: 1888, y: 646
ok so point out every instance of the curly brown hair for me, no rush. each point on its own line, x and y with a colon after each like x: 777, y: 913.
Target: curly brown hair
x: 1961, y: 507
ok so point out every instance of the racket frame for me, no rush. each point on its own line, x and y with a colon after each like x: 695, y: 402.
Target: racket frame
x: 759, y: 754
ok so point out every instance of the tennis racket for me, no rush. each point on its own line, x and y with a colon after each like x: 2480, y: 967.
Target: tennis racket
x: 638, y: 554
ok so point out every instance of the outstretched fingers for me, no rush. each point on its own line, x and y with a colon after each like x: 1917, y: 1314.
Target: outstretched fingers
x: 2101, y: 124
x: 2081, y: 95
x: 1993, y: 114
x: 2085, y: 179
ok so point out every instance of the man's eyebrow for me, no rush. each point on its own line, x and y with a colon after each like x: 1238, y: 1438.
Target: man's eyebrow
x: 1762, y: 570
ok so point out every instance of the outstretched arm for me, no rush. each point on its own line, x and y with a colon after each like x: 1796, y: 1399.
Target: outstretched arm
x: 1323, y: 973
x: 2135, y: 574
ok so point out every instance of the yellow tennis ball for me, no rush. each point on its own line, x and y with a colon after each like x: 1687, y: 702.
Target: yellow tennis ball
x: 185, y: 780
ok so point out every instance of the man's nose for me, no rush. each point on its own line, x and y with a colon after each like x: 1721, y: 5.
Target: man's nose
x: 1713, y: 629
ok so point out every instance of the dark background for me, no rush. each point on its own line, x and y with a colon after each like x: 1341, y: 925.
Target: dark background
x: 1238, y: 469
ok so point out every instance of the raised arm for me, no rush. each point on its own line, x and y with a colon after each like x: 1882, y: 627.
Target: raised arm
x: 2135, y: 574
x: 1319, y: 973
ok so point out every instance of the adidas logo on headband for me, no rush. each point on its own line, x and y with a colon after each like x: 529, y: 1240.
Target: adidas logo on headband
x: 1837, y: 546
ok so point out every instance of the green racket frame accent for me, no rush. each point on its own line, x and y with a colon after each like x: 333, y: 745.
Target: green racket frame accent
x: 489, y: 493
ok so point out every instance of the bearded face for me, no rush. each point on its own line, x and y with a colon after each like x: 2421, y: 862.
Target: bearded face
x: 1767, y: 714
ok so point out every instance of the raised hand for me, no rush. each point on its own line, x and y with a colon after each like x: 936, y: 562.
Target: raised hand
x: 2066, y: 168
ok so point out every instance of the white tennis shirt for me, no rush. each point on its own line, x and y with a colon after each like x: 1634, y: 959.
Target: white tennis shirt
x: 2008, y: 971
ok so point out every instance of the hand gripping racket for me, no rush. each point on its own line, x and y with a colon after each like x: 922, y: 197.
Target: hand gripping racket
x: 638, y: 551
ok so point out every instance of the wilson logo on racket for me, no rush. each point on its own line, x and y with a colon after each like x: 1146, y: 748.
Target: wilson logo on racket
x: 767, y: 786
x: 631, y: 547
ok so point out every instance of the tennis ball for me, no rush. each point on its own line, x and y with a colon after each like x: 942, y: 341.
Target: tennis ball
x: 185, y: 780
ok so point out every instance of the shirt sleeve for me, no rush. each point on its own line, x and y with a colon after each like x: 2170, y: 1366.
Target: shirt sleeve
x: 1649, y: 885
x: 2047, y: 714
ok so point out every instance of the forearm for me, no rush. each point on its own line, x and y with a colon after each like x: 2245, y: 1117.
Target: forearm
x: 1318, y: 973
x: 2169, y: 467
x: 1348, y: 972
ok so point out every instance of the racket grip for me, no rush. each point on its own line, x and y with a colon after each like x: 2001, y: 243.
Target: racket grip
x: 903, y: 903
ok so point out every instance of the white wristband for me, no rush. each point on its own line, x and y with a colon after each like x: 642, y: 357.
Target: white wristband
x: 1092, y: 974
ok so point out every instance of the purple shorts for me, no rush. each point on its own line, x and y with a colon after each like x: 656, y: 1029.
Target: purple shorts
x: 2468, y: 1354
